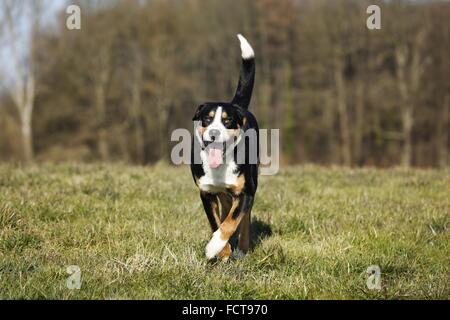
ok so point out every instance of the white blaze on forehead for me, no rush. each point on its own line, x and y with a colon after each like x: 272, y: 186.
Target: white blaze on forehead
x: 217, y: 125
x: 218, y: 116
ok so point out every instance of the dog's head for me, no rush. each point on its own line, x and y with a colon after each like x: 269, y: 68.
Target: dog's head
x: 219, y: 122
x: 219, y: 126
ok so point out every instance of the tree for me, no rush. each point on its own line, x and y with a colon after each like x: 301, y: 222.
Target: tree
x: 410, y: 63
x: 338, y: 92
x: 22, y: 69
x: 341, y: 47
x: 408, y: 83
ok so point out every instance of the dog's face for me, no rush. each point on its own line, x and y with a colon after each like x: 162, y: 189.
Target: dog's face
x: 219, y: 128
x: 219, y: 122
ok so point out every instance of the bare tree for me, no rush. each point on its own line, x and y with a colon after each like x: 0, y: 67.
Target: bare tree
x: 101, y: 78
x: 443, y: 131
x: 408, y: 80
x: 440, y: 78
x: 341, y: 101
x: 338, y: 37
x: 135, y: 108
x: 22, y: 68
x: 359, y: 121
x: 99, y: 40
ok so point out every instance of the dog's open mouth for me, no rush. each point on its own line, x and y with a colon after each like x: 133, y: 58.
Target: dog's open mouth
x: 215, y: 153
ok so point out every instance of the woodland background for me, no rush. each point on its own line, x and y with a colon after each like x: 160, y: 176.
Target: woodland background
x: 115, y: 90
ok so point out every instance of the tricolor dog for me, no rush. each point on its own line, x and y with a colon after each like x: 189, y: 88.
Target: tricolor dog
x: 227, y: 181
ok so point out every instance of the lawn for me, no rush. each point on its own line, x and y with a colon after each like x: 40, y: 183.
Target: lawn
x: 140, y: 233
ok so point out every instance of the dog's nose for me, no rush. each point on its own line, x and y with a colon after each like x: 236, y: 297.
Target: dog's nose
x: 214, y: 134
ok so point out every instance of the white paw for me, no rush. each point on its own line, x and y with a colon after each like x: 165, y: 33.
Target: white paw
x: 215, y: 245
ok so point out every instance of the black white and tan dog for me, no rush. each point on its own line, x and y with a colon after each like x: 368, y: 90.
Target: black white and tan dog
x: 226, y: 181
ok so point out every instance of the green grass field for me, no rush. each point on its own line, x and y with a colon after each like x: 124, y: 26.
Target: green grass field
x: 140, y: 233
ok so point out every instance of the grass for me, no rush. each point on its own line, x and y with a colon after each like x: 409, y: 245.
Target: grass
x: 140, y: 233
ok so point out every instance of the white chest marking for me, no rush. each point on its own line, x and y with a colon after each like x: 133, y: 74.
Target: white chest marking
x: 218, y: 179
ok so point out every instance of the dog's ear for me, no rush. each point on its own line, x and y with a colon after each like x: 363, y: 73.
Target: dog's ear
x: 197, y: 113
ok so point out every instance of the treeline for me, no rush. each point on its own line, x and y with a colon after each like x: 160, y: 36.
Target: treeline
x: 339, y: 92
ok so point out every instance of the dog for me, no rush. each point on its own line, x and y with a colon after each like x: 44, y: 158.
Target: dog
x: 227, y: 186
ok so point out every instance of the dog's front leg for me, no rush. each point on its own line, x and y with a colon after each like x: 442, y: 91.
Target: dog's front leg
x: 211, y: 206
x: 241, y: 205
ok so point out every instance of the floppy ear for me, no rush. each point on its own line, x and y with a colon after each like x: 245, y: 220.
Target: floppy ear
x: 197, y: 113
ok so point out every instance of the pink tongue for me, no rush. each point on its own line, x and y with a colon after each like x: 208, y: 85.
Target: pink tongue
x: 214, y: 157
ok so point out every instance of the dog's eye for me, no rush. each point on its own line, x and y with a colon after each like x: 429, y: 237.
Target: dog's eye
x: 207, y: 119
x: 228, y: 121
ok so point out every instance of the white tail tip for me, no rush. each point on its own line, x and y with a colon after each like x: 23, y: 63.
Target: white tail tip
x: 246, y: 48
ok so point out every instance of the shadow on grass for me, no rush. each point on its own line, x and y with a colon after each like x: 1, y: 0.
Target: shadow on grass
x: 259, y: 231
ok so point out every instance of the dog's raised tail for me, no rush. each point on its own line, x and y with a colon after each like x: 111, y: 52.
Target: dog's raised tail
x: 244, y: 89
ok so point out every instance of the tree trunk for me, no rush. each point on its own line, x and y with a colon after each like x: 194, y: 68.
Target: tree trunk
x: 100, y: 105
x: 163, y: 114
x: 289, y: 113
x: 401, y: 53
x: 443, y: 133
x: 27, y: 135
x: 343, y: 112
x: 23, y: 88
x: 408, y: 87
x: 299, y: 136
x: 329, y: 119
x: 136, y: 121
x: 23, y: 96
x: 359, y: 123
x: 407, y: 121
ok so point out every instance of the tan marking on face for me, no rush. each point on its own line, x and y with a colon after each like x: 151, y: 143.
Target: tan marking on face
x: 237, y: 188
x: 233, y: 132
x: 201, y: 130
x: 211, y: 113
x: 244, y: 120
x: 224, y: 115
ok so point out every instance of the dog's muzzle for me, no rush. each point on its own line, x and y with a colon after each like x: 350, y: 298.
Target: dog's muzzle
x: 215, y: 153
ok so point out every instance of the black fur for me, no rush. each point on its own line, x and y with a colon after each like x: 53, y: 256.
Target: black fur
x: 244, y: 89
